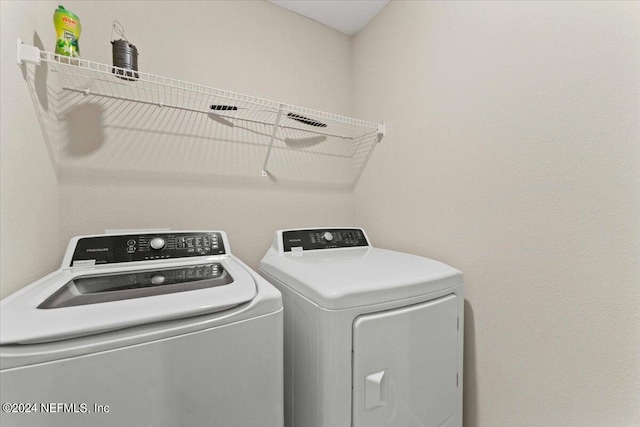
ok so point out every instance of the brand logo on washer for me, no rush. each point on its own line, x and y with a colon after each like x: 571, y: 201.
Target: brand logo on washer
x: 98, y: 250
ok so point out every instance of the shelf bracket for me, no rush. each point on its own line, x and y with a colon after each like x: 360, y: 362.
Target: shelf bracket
x: 273, y: 138
x: 26, y: 53
x: 381, y: 131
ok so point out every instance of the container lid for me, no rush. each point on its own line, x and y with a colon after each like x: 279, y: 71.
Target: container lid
x: 61, y: 9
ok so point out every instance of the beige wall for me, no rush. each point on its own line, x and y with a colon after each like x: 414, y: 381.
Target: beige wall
x: 184, y: 180
x: 513, y: 153
x: 123, y: 165
x: 29, y: 228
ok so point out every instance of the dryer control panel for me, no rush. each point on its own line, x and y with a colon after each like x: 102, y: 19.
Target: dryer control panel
x: 323, y: 238
x: 144, y: 247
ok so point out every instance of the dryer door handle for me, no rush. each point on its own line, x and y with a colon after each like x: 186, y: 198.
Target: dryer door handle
x: 375, y: 390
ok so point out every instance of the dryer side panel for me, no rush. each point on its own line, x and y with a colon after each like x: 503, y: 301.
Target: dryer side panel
x: 405, y: 366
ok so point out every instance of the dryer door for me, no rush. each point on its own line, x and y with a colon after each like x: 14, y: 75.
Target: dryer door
x: 405, y: 365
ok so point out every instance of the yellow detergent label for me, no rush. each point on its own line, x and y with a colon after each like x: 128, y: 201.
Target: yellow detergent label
x: 67, y: 31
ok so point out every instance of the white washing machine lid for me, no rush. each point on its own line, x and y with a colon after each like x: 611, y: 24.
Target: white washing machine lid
x: 358, y: 276
x: 25, y: 317
x: 87, y: 300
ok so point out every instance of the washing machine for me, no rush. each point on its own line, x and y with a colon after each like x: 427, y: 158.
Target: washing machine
x: 159, y: 329
x: 373, y: 337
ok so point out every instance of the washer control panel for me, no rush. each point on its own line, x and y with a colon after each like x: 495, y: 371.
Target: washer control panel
x: 144, y: 247
x: 324, y: 238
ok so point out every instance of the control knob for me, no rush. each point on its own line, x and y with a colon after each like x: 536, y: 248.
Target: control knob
x: 157, y: 279
x: 157, y: 243
x: 327, y: 236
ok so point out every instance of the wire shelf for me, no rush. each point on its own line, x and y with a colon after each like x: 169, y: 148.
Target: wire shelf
x: 290, y: 125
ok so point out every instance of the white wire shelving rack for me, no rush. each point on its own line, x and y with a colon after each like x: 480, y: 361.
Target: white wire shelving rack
x: 102, y: 80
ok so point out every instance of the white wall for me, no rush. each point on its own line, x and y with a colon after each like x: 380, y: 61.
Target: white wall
x: 114, y: 178
x: 513, y: 153
x: 29, y: 229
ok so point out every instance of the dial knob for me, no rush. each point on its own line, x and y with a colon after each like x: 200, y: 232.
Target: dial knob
x: 157, y: 243
x: 327, y: 236
x: 158, y: 279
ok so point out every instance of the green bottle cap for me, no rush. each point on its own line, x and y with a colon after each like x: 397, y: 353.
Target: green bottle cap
x: 61, y: 9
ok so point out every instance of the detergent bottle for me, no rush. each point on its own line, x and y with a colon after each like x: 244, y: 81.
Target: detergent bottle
x: 68, y: 32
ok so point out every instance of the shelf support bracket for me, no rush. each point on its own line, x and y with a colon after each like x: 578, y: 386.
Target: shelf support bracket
x: 26, y: 53
x: 381, y: 131
x: 273, y: 138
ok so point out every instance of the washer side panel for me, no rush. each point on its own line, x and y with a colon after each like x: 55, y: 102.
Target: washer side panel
x: 198, y: 379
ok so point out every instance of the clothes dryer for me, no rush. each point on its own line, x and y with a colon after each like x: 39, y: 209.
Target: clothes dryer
x: 143, y: 329
x: 373, y: 337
